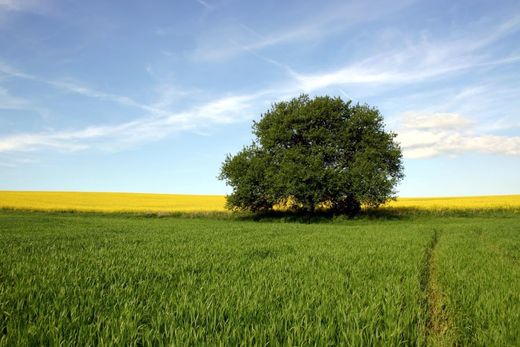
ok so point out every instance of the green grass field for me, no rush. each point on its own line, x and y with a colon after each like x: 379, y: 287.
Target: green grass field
x: 87, y: 279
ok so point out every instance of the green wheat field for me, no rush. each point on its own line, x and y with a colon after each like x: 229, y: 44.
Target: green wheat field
x: 91, y: 279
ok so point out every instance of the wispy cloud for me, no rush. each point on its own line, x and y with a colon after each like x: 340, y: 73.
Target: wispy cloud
x: 11, y: 161
x: 422, y: 134
x: 408, y: 71
x: 435, y: 121
x: 8, y: 165
x: 427, y: 135
x: 30, y: 6
x: 16, y: 5
x: 418, y: 60
x: 205, y: 4
x: 76, y: 88
x: 150, y: 128
x: 8, y: 101
x: 157, y: 121
x: 313, y: 25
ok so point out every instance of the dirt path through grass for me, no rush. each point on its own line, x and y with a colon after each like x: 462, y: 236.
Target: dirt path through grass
x: 438, y: 324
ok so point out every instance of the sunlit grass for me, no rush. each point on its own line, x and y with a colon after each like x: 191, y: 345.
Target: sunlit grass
x: 90, y: 279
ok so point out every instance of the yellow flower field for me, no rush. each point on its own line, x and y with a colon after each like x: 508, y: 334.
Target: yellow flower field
x: 136, y: 202
x: 459, y: 203
x: 110, y: 202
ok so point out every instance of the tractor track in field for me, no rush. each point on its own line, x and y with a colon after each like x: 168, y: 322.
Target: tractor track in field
x: 438, y: 322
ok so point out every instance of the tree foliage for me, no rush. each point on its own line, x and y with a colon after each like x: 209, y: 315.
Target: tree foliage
x: 315, y: 153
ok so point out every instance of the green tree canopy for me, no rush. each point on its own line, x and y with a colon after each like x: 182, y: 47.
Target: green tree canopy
x: 312, y: 153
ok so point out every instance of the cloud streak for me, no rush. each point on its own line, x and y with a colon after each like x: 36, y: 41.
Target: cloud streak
x: 418, y: 61
x: 18, y: 5
x: 76, y: 88
x: 156, y: 123
x: 10, y: 7
x: 422, y: 135
x: 8, y: 101
x: 151, y: 128
x: 319, y: 23
x: 204, y: 4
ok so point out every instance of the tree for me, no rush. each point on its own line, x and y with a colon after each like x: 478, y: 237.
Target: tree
x: 315, y: 153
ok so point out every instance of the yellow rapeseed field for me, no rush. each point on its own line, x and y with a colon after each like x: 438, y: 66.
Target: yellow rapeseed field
x: 110, y: 202
x: 137, y: 202
x: 459, y: 203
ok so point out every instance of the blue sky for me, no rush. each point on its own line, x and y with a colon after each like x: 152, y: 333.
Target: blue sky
x: 144, y: 96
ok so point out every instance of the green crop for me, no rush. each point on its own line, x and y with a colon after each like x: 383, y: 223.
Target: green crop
x: 481, y: 282
x: 73, y: 279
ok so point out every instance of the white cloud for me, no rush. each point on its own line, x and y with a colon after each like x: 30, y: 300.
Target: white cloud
x: 417, y: 120
x: 435, y: 134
